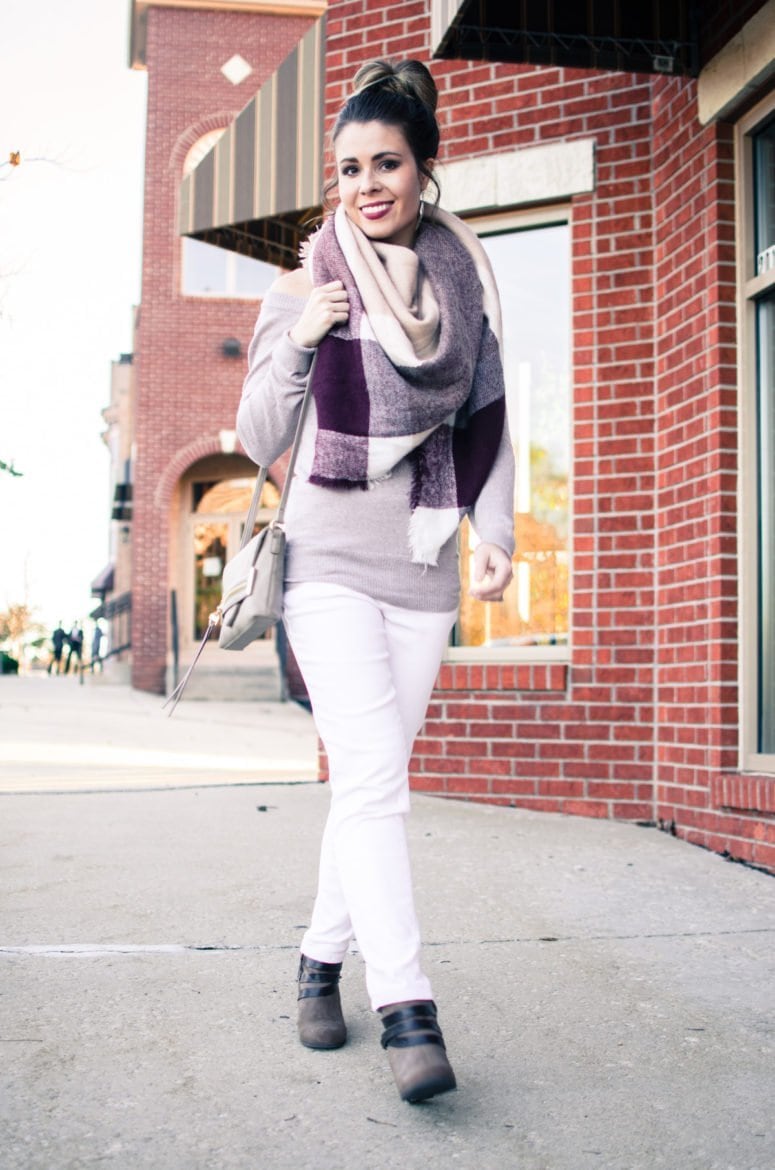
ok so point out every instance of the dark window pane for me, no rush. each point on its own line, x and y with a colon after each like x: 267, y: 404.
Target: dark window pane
x: 764, y: 188
x: 765, y: 337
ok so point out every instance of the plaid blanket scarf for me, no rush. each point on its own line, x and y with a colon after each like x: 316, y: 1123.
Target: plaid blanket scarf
x: 415, y: 372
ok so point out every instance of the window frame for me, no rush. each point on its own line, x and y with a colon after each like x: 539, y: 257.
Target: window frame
x: 750, y: 287
x: 501, y: 222
x: 230, y: 260
x: 196, y: 152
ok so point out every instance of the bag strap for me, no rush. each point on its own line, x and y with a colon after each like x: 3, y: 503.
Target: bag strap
x: 247, y: 532
x: 212, y: 623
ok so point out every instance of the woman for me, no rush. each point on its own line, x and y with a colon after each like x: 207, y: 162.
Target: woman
x: 397, y: 299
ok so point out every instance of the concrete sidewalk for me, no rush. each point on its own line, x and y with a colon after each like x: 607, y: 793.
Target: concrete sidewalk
x: 58, y: 735
x: 606, y: 991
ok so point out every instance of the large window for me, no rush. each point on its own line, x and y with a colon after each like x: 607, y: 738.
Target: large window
x: 207, y: 271
x: 764, y: 249
x: 756, y: 163
x: 532, y: 268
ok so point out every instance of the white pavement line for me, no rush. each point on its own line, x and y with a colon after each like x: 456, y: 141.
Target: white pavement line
x: 95, y: 950
x: 85, y: 754
x: 114, y: 783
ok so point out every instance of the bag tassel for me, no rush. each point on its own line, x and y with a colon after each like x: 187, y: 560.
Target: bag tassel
x: 213, y: 622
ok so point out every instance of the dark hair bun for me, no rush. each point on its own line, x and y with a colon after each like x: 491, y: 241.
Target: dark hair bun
x: 402, y: 94
x: 410, y: 78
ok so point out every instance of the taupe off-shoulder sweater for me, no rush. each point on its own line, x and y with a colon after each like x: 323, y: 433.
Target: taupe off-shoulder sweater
x: 339, y: 535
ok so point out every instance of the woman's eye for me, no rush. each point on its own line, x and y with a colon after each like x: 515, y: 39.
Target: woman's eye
x: 348, y: 171
x: 389, y: 164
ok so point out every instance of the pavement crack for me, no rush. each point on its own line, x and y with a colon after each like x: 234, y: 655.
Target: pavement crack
x: 98, y: 950
x: 562, y: 938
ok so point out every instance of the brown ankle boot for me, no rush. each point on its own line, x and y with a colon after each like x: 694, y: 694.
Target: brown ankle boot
x: 416, y: 1050
x: 321, y: 1023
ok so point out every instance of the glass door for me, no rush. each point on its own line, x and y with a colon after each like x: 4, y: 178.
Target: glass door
x: 211, y: 548
x: 218, y: 512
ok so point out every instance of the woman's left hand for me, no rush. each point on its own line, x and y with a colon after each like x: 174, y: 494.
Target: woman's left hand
x: 492, y: 572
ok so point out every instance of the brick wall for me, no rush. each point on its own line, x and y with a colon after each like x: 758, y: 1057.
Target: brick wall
x: 576, y: 739
x: 187, y: 391
x: 642, y: 723
x: 699, y: 792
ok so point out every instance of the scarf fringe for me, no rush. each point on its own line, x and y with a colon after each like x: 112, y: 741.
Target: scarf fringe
x: 429, y: 531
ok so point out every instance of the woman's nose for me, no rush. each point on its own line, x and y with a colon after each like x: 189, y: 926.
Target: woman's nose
x: 369, y: 180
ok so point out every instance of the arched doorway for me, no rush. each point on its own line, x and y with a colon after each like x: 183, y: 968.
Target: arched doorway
x: 216, y: 525
x: 209, y: 512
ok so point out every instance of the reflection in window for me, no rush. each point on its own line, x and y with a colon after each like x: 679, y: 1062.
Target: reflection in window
x: 764, y: 184
x: 532, y: 268
x: 765, y: 336
x: 208, y: 271
x: 219, y: 510
x: 764, y: 249
x: 210, y: 542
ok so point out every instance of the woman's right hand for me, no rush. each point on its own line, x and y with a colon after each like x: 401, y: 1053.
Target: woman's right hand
x: 327, y: 305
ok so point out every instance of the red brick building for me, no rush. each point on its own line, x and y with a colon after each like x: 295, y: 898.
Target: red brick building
x: 619, y: 161
x: 190, y: 486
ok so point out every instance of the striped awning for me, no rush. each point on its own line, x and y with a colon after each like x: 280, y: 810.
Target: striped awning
x: 262, y: 180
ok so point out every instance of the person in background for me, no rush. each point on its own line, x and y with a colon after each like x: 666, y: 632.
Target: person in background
x: 96, y: 643
x: 407, y: 434
x: 58, y: 639
x: 75, y: 648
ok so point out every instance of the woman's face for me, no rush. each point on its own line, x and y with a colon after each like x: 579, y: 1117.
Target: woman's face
x: 379, y: 183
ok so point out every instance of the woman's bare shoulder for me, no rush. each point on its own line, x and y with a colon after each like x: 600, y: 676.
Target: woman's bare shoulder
x: 293, y: 284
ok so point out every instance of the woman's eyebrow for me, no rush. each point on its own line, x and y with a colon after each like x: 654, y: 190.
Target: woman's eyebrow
x: 375, y: 158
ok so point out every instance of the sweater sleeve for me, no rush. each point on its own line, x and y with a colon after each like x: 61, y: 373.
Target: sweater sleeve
x: 492, y: 516
x: 274, y: 386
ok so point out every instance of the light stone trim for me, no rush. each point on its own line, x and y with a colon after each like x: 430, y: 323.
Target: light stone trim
x: 534, y: 174
x: 272, y: 7
x: 443, y: 13
x: 739, y: 69
x: 139, y: 8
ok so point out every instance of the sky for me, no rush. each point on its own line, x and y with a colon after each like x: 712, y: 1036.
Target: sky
x: 70, y: 253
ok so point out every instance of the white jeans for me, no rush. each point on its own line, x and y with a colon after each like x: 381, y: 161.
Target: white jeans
x: 369, y: 670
